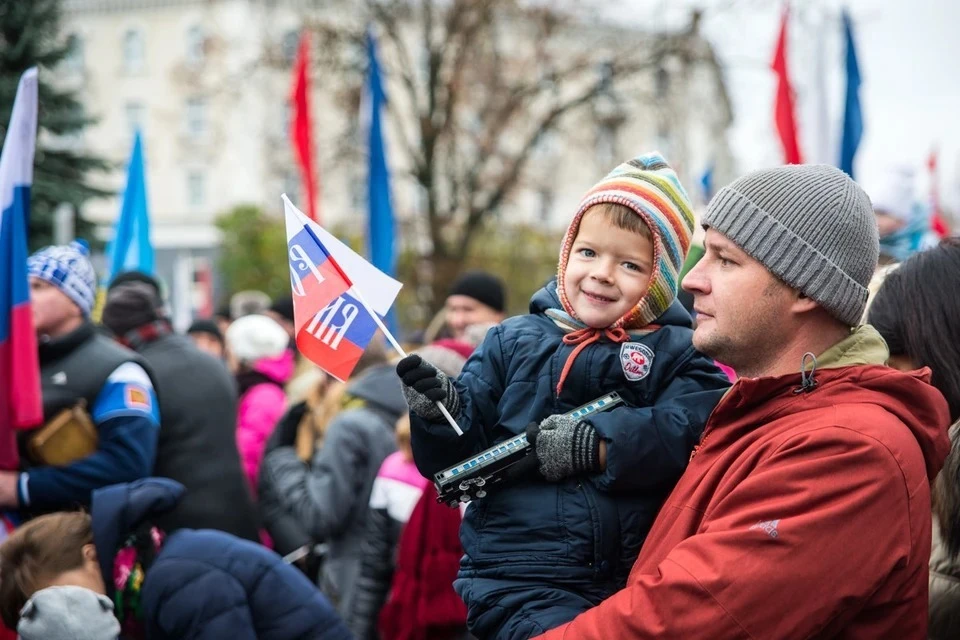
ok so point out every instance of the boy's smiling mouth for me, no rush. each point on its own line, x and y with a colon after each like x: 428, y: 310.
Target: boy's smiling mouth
x: 595, y: 297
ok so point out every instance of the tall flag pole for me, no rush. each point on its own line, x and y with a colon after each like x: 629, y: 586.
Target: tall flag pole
x: 381, y: 229
x: 301, y: 127
x: 131, y: 248
x: 784, y: 111
x: 852, y: 113
x: 20, y: 399
x: 937, y: 224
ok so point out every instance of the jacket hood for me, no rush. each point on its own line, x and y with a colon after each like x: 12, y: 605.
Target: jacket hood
x: 279, y: 369
x: 119, y: 509
x: 852, y: 371
x: 380, y: 387
x: 651, y: 189
x: 548, y: 298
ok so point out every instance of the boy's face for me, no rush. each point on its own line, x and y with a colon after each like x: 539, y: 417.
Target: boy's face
x: 608, y: 271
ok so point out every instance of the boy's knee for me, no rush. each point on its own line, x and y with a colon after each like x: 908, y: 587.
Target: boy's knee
x: 539, y: 616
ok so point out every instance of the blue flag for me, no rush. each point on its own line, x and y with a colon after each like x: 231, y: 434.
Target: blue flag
x: 381, y: 230
x: 130, y: 248
x: 852, y: 114
x: 706, y: 183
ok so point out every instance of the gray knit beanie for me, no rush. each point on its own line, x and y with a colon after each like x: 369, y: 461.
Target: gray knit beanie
x: 810, y: 225
x: 67, y: 613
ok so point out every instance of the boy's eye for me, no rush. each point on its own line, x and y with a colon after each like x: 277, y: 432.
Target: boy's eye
x: 587, y: 253
x: 632, y: 267
x: 725, y: 262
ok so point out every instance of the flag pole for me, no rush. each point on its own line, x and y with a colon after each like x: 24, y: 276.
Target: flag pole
x: 403, y: 354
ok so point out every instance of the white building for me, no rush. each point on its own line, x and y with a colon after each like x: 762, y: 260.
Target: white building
x: 207, y: 82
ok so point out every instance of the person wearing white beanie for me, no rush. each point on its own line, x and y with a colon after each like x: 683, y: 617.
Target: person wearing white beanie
x: 259, y: 355
x: 254, y: 337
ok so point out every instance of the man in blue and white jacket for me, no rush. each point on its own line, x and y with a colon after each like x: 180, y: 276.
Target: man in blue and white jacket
x: 79, y: 365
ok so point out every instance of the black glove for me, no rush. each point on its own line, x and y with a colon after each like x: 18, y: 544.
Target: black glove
x: 424, y: 385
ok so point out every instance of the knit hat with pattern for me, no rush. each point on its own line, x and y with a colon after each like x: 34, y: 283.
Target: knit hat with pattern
x: 811, y: 226
x: 68, y: 268
x: 648, y: 186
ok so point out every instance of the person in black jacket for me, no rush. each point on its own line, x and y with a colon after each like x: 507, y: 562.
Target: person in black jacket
x: 396, y: 491
x: 329, y: 496
x: 198, y: 405
x: 81, y: 368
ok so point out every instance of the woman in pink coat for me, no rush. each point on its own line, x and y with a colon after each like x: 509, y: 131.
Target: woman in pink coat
x: 262, y: 361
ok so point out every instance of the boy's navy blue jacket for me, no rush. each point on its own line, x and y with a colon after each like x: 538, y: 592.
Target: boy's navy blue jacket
x: 572, y: 542
x: 206, y: 584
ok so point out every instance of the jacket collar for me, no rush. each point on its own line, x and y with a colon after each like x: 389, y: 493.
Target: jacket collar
x: 52, y: 349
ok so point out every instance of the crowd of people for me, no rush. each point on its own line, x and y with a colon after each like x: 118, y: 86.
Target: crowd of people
x: 773, y: 468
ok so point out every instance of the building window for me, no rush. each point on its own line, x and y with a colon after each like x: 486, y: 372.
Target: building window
x: 291, y: 41
x: 196, y: 188
x: 195, y: 46
x: 135, y: 113
x: 73, y: 59
x: 133, y: 51
x: 196, y: 117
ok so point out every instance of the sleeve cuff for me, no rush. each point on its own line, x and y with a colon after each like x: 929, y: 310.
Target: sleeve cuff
x: 23, y: 490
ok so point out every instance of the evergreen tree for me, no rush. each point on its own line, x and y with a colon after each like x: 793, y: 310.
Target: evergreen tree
x: 30, y: 36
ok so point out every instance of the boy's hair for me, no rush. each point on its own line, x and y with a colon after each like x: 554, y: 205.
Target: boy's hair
x: 622, y: 217
x: 36, y: 552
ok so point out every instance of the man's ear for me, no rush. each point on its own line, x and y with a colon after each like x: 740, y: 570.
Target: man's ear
x: 803, y: 303
x: 90, y: 552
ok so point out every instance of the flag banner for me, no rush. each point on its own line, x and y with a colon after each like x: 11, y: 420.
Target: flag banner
x: 852, y: 113
x: 784, y: 113
x: 333, y: 326
x: 20, y: 400
x: 301, y: 127
x: 131, y: 249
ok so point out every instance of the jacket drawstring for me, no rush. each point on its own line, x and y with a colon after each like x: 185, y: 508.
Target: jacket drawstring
x: 807, y: 381
x: 584, y: 338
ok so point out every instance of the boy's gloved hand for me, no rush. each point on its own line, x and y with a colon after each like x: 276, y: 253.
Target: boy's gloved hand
x: 424, y: 385
x: 565, y: 447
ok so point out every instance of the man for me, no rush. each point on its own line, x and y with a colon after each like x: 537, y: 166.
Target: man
x: 475, y: 298
x: 198, y: 402
x: 805, y: 510
x: 80, y: 366
x: 206, y: 337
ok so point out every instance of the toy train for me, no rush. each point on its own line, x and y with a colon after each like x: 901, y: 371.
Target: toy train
x: 470, y: 479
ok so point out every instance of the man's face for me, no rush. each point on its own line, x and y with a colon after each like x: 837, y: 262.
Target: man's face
x: 463, y: 311
x: 208, y: 343
x: 743, y: 311
x: 54, y: 314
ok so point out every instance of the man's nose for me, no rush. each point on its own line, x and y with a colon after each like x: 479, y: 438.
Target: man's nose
x: 695, y: 281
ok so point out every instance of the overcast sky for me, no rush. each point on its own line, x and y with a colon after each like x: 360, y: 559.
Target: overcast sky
x: 909, y: 54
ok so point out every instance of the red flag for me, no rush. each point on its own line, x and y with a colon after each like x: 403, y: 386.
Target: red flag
x: 784, y: 108
x: 301, y: 128
x: 937, y: 223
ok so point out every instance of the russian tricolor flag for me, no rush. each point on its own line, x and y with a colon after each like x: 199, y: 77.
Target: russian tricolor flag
x: 20, y: 403
x: 333, y: 322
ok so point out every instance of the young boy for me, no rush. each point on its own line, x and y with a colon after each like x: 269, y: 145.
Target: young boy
x: 541, y: 551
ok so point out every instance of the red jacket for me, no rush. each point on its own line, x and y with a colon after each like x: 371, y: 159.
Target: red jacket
x: 802, y: 515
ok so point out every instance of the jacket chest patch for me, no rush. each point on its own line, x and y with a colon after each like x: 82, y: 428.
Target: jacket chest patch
x: 636, y: 360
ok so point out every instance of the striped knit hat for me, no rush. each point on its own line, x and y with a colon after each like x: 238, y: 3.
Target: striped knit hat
x: 648, y: 186
x: 68, y: 268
